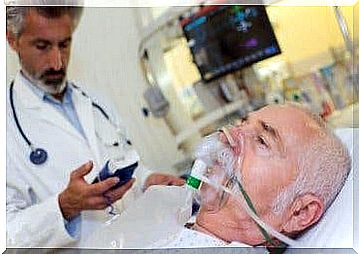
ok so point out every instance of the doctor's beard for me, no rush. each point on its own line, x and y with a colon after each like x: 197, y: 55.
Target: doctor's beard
x: 50, y: 81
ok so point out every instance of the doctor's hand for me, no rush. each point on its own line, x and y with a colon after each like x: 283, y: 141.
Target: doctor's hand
x: 80, y: 196
x: 163, y: 179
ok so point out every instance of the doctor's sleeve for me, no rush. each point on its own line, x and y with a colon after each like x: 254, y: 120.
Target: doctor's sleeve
x: 31, y: 224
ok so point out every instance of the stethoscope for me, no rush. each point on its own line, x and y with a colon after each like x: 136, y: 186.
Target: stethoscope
x: 39, y: 155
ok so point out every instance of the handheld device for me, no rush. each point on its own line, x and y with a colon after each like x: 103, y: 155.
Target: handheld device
x: 111, y: 169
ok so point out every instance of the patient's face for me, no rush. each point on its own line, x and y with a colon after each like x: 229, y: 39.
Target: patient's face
x: 273, y: 138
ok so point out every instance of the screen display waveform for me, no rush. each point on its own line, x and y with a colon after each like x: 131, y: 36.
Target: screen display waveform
x: 223, y: 39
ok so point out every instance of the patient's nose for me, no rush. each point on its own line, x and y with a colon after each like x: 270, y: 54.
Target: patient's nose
x: 234, y: 137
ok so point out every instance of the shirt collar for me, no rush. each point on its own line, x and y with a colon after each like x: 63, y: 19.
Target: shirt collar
x: 66, y: 100
x: 46, y: 96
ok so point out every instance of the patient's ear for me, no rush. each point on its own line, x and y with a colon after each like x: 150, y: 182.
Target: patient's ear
x: 305, y: 211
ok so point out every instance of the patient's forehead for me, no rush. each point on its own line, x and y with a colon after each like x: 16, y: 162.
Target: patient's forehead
x: 293, y: 124
x: 283, y: 114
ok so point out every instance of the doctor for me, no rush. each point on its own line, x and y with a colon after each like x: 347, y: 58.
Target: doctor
x: 58, y: 139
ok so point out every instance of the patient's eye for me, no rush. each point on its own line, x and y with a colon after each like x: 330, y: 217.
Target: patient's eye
x: 243, y: 121
x: 262, y: 142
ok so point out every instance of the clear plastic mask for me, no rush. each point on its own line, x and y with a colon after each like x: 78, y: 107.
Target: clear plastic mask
x: 223, y: 164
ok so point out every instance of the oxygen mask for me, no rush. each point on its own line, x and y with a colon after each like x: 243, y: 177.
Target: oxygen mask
x: 218, y: 162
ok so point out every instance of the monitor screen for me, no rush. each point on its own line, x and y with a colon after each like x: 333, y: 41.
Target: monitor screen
x: 223, y: 39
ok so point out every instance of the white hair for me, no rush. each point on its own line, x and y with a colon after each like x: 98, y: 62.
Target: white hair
x: 323, y: 166
x: 17, y: 10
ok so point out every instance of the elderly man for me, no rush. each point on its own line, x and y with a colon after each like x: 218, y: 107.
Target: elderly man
x: 291, y: 168
x: 53, y: 128
x: 282, y: 158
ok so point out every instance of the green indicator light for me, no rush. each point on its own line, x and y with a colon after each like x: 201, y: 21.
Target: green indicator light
x: 193, y: 182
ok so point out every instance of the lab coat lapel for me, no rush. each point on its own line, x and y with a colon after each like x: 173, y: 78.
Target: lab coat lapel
x: 34, y: 105
x: 84, y: 109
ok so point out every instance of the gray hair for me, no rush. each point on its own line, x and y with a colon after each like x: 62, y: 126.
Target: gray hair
x: 16, y: 13
x: 323, y: 167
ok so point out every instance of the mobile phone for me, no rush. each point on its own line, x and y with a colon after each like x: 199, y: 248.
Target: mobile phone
x: 124, y: 174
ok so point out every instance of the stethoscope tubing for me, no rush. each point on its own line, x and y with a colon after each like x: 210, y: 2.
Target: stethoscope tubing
x: 38, y: 156
x: 15, y: 115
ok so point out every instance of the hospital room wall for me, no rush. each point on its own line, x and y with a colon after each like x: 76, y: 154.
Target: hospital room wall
x: 315, y: 27
x: 104, y: 58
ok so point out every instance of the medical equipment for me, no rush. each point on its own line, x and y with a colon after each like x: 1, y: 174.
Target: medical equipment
x: 198, y: 170
x: 38, y: 155
x: 156, y: 101
x: 223, y: 39
x: 202, y: 172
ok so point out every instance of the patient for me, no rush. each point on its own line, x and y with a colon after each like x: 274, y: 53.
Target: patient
x: 292, y: 169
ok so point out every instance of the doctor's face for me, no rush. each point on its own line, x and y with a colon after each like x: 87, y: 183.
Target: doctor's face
x: 44, y: 49
x: 271, y: 141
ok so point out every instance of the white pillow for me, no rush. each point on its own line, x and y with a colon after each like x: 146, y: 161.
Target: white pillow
x: 335, y: 229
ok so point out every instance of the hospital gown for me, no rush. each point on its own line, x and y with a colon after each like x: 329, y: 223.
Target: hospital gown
x: 188, y: 238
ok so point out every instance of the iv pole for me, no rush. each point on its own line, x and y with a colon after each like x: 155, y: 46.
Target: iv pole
x: 354, y: 70
x: 344, y: 29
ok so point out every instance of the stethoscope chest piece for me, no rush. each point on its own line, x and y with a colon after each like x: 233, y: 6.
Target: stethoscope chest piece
x: 38, y: 156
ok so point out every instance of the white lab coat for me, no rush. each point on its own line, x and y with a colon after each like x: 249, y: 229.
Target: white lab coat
x: 33, y: 214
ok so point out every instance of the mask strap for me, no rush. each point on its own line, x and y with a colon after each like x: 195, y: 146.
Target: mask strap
x: 265, y: 229
x: 251, y: 206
